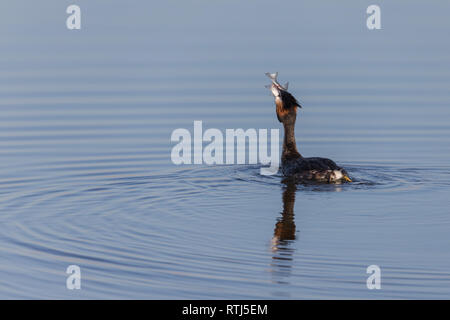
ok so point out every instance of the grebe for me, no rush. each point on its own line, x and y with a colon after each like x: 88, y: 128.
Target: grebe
x: 292, y: 163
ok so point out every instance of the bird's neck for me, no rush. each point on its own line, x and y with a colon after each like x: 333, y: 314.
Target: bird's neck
x: 289, y: 145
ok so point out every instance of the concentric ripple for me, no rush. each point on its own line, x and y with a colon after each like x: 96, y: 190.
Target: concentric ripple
x: 200, y: 232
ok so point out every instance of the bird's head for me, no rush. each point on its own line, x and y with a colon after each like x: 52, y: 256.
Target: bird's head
x: 286, y: 104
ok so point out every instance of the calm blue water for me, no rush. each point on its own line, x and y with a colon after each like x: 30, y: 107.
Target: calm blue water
x: 86, y: 177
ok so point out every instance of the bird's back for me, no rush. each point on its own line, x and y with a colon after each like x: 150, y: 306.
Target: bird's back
x: 314, y: 169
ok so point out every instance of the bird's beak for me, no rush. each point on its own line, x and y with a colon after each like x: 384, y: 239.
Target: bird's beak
x: 346, y: 178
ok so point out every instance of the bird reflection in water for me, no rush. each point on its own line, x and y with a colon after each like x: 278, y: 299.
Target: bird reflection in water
x: 283, y: 235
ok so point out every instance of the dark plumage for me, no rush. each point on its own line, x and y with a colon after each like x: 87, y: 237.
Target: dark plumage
x: 288, y: 99
x: 315, y: 169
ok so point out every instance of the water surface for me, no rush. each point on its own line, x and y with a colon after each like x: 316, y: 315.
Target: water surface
x: 86, y: 177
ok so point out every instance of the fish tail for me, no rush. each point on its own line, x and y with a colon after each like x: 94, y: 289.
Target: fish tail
x: 272, y: 76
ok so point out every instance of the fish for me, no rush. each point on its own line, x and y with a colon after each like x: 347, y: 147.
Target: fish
x: 273, y: 77
x: 280, y: 92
